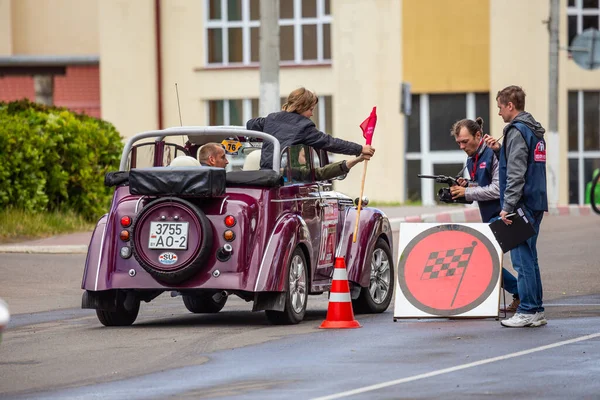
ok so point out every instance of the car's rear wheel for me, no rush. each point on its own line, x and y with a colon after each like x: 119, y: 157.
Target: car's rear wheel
x: 297, y: 292
x: 204, y: 302
x: 124, y: 315
x: 377, y: 296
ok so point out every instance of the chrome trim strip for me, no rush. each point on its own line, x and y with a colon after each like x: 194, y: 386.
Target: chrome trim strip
x: 339, y: 247
x: 223, y: 205
x: 137, y: 204
x: 295, y: 199
x: 100, y: 255
x: 262, y: 263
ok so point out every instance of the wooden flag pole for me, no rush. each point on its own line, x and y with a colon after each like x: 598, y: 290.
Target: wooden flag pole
x: 368, y: 127
x: 362, y: 188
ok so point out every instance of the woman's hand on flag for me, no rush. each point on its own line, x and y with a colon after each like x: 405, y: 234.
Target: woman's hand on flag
x: 367, y: 151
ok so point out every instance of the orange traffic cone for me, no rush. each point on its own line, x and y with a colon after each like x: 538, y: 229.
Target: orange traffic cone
x: 339, y: 312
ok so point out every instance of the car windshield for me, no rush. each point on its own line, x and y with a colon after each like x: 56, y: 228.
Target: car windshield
x: 242, y: 156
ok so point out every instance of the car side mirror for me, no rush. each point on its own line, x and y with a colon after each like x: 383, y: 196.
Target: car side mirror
x: 340, y: 177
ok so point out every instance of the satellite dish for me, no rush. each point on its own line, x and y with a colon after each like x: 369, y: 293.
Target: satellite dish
x: 585, y: 49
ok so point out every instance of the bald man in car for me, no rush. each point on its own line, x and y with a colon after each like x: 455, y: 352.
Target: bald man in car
x: 212, y: 155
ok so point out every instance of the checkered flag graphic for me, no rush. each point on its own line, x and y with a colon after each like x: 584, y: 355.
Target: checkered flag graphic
x: 444, y: 263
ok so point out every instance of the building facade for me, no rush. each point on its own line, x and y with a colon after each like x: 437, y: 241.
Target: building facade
x: 455, y: 54
x: 54, y: 36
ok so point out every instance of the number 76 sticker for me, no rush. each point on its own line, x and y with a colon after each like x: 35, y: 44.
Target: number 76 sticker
x: 231, y: 146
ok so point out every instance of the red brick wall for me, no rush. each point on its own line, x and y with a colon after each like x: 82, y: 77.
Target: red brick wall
x: 78, y: 90
x: 16, y: 87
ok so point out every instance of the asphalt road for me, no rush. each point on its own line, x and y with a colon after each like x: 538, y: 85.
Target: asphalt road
x: 54, y: 350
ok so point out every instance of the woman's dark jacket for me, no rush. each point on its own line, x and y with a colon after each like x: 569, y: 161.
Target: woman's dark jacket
x: 291, y: 128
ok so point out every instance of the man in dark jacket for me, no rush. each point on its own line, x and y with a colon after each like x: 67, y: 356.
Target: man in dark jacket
x: 484, y: 186
x: 522, y: 184
x: 293, y: 126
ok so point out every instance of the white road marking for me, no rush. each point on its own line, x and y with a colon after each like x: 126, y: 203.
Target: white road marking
x: 456, y: 368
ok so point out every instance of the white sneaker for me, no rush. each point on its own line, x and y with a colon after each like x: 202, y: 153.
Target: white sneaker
x: 520, y: 320
x: 539, y: 319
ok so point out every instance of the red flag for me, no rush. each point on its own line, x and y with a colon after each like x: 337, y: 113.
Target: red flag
x: 368, y: 126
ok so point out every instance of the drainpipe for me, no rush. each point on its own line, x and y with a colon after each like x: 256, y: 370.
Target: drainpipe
x: 158, y: 63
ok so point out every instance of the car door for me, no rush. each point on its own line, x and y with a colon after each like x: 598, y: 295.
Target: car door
x: 306, y: 192
x: 328, y: 210
x: 343, y: 202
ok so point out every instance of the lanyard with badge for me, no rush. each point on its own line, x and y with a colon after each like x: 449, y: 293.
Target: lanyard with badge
x: 474, y: 169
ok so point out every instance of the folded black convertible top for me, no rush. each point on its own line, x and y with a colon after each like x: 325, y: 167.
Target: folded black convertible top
x: 160, y: 180
x: 182, y: 181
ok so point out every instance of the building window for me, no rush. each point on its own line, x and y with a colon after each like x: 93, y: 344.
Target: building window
x: 444, y: 111
x: 581, y: 15
x: 584, y: 143
x: 430, y: 147
x: 232, y: 31
x: 238, y: 111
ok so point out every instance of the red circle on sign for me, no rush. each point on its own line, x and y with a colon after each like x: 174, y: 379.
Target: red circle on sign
x: 448, y: 270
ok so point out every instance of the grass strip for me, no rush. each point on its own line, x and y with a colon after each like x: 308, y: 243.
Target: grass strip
x: 18, y: 225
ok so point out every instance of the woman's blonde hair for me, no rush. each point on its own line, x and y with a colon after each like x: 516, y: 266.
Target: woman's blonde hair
x: 300, y: 100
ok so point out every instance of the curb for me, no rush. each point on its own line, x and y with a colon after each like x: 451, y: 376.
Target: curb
x: 466, y: 214
x: 471, y: 214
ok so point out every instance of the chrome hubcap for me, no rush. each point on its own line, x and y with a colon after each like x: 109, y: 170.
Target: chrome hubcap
x: 297, y: 284
x: 379, y: 284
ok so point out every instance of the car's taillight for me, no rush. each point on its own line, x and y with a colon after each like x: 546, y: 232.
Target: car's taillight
x: 124, y: 235
x: 125, y: 221
x: 228, y: 235
x: 229, y: 221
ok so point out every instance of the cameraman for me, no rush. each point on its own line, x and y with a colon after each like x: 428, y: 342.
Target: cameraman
x: 484, y: 185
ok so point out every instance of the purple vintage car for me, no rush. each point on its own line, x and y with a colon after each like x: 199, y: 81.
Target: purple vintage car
x: 206, y: 233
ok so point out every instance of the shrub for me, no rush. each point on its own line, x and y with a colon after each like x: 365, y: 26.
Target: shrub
x: 53, y: 159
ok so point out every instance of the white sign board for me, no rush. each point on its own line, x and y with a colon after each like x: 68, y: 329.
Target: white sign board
x: 447, y: 270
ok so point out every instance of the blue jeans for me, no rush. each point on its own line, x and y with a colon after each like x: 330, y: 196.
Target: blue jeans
x: 525, y: 262
x: 509, y: 282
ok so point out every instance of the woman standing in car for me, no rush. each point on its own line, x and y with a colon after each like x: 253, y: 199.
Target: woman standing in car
x: 294, y: 126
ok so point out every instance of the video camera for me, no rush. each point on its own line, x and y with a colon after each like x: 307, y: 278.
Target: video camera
x: 444, y: 193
